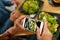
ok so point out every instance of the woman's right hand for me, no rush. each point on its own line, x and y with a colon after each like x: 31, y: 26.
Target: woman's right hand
x: 46, y: 33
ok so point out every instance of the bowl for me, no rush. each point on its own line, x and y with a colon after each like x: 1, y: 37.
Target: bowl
x: 56, y: 1
x: 32, y: 15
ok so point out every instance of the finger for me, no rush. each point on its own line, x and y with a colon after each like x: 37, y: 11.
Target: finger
x: 12, y: 13
x: 18, y: 22
x: 16, y: 15
x: 22, y: 17
x: 11, y: 30
x: 19, y: 26
x: 45, y: 27
x: 45, y: 23
x: 38, y: 33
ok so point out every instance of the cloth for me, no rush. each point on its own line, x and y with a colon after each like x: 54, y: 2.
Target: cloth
x: 4, y: 14
x: 6, y: 26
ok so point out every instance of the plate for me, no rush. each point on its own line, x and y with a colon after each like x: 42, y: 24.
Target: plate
x: 32, y: 15
x: 56, y: 35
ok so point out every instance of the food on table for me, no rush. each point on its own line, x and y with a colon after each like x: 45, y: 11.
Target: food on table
x: 32, y: 25
x: 51, y: 21
x: 30, y: 7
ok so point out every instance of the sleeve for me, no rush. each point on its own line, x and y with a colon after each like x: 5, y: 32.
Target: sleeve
x: 7, y: 2
x: 6, y: 26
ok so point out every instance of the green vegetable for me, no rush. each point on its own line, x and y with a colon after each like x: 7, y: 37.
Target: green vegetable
x: 30, y: 7
x: 41, y: 15
x: 51, y: 21
x: 32, y: 25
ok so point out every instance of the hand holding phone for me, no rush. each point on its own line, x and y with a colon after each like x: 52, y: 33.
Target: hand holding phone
x: 31, y: 24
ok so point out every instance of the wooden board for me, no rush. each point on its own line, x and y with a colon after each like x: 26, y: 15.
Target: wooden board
x: 50, y: 8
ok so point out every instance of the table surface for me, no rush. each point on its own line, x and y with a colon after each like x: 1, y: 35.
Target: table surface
x: 50, y: 8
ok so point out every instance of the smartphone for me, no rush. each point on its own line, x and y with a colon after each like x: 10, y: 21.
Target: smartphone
x: 31, y: 24
x: 40, y: 24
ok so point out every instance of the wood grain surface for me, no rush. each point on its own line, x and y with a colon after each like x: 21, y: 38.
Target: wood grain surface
x: 50, y: 8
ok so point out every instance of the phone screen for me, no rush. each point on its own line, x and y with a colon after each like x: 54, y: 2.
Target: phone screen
x: 26, y: 20
x: 30, y: 24
x: 38, y: 23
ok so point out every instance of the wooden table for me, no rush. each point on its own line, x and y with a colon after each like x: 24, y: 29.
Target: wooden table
x: 50, y: 8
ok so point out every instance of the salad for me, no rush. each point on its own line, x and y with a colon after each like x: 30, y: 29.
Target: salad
x: 30, y: 6
x: 51, y: 21
x: 32, y: 25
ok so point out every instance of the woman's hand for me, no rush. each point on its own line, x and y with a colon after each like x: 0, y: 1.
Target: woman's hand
x: 17, y: 25
x: 46, y: 33
x: 14, y: 15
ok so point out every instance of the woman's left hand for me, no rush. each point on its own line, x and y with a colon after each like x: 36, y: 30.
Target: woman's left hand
x: 17, y: 25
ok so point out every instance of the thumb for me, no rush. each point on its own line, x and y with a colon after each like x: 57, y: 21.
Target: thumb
x: 38, y: 34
